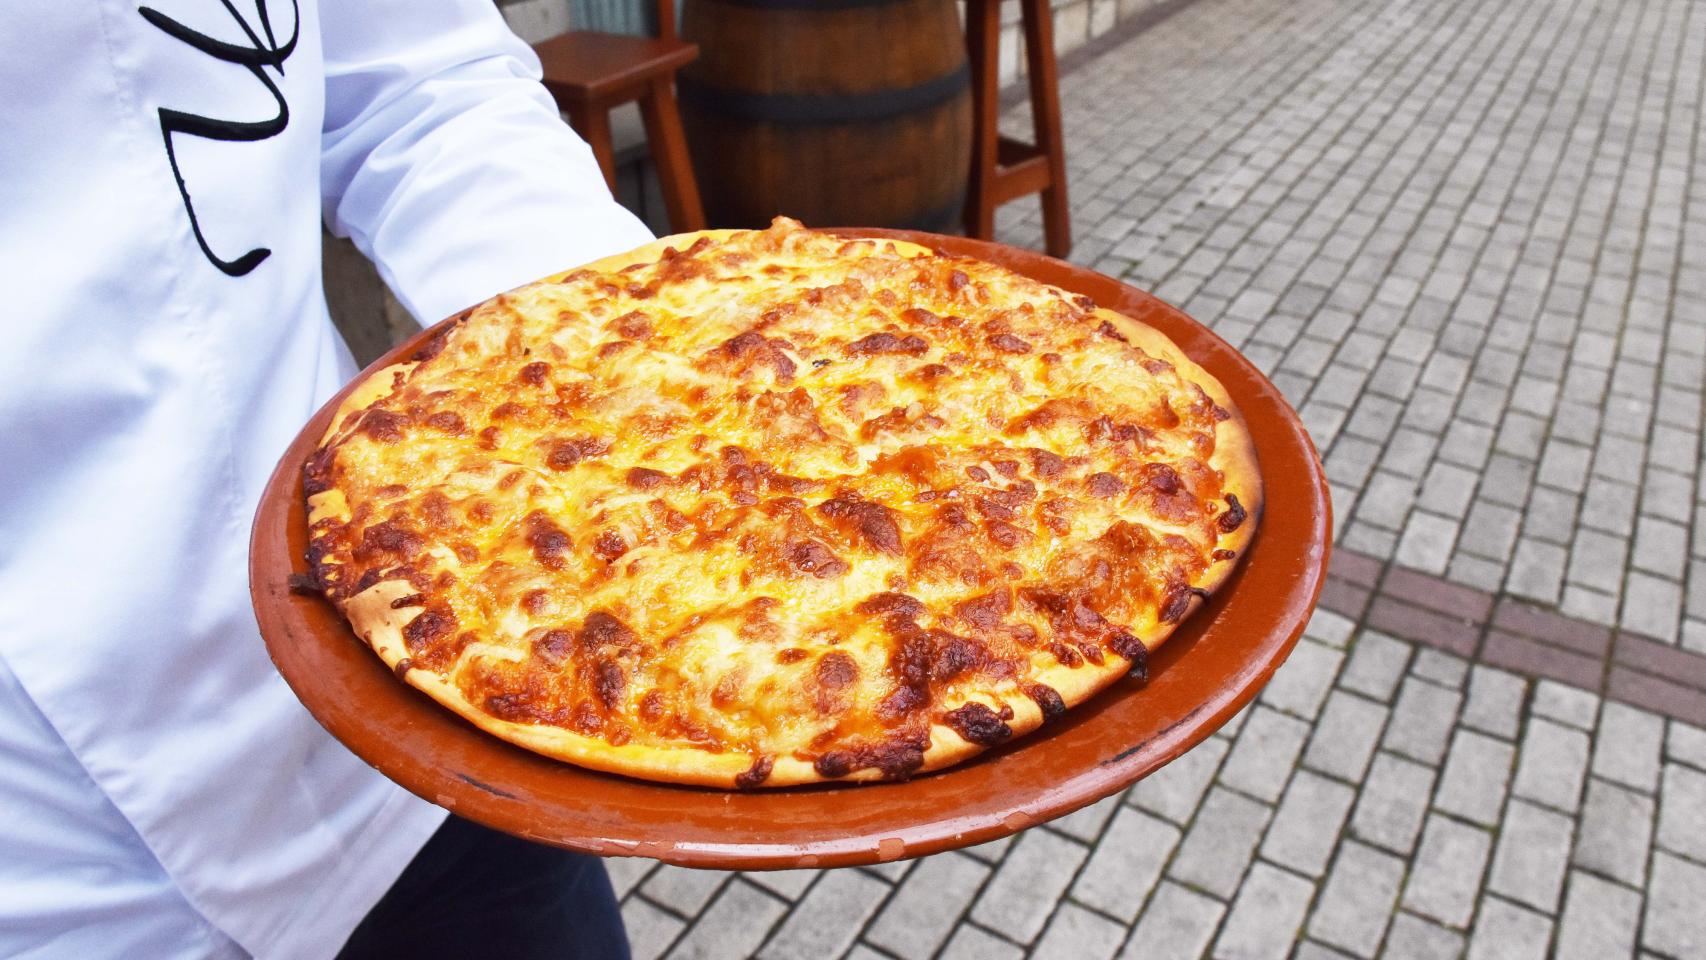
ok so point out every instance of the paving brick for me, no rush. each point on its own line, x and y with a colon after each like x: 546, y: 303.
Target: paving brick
x: 1306, y: 827
x: 1551, y: 765
x: 1376, y: 665
x: 650, y: 929
x: 1616, y: 831
x: 1426, y: 541
x: 733, y: 927
x: 1422, y: 721
x: 1599, y: 920
x: 1345, y: 736
x: 1528, y: 864
x: 1219, y: 845
x: 1330, y: 628
x: 1477, y: 773
x: 1682, y: 811
x: 1446, y: 874
x: 893, y: 871
x: 790, y: 884
x: 1301, y: 683
x: 826, y: 922
x: 1412, y: 938
x: 1264, y: 754
x: 1537, y: 570
x: 1652, y: 605
x: 1661, y: 547
x: 1393, y: 802
x: 1674, y: 922
x: 1578, y: 708
x: 1356, y: 904
x: 1086, y: 823
x: 1494, y: 703
x: 681, y: 889
x: 1505, y: 931
x: 1022, y: 893
x: 970, y: 943
x: 627, y: 872
x: 1442, y: 668
x: 1687, y: 744
x: 1174, y: 790
x: 994, y: 850
x: 1626, y: 748
x: 922, y: 912
x: 1126, y: 863
x: 1078, y: 934
x: 1177, y: 924
x: 1266, y: 917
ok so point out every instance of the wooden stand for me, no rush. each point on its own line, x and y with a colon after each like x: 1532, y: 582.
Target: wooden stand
x: 589, y: 73
x: 1004, y: 169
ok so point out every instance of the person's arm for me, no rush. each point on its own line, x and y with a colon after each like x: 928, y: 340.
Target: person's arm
x: 445, y: 160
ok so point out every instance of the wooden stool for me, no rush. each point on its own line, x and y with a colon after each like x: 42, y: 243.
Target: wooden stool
x: 1003, y: 169
x: 588, y: 73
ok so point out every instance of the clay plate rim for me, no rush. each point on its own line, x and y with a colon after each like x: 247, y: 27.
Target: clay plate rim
x: 1211, y: 667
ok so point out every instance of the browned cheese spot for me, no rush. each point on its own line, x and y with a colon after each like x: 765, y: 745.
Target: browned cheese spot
x: 384, y: 425
x: 1131, y: 648
x: 609, y: 545
x: 885, y: 342
x: 633, y: 325
x: 1008, y: 343
x: 1047, y: 699
x: 548, y: 540
x: 756, y: 774
x: 891, y: 604
x: 389, y: 538
x: 1104, y: 485
x: 448, y: 421
x: 809, y: 556
x: 835, y: 674
x: 869, y: 521
x: 752, y: 347
x: 1234, y: 516
x: 429, y: 628
x: 976, y: 723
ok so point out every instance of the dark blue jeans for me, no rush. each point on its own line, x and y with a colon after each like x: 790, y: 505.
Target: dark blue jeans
x: 475, y: 892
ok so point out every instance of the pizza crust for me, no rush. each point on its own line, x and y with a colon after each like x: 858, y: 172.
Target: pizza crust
x: 381, y: 624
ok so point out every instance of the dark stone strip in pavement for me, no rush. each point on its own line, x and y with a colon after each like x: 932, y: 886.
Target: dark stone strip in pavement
x: 1515, y: 635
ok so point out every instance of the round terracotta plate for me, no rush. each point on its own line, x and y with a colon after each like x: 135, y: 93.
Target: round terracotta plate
x: 1214, y: 664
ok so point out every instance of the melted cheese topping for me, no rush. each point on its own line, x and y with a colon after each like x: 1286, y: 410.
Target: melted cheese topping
x: 782, y: 494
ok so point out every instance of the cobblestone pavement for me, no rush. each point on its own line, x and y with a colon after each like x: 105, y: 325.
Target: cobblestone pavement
x: 1467, y: 241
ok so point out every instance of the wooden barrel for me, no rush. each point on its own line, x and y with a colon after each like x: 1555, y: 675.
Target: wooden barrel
x: 834, y: 112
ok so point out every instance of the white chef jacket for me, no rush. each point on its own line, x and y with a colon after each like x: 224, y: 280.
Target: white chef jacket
x: 164, y: 169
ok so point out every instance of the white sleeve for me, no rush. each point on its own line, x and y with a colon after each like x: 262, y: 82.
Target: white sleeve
x: 445, y: 160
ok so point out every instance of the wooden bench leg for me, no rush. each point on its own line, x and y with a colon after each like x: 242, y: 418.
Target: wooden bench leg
x: 669, y: 152
x: 1045, y: 114
x: 983, y: 50
x: 593, y: 124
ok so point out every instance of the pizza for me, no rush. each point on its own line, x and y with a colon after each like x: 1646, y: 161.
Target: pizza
x: 762, y: 508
